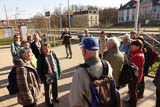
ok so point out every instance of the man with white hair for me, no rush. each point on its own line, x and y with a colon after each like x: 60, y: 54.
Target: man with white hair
x: 125, y: 45
x: 114, y: 57
x: 81, y: 80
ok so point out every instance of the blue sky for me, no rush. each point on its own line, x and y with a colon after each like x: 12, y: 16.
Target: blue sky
x: 28, y: 8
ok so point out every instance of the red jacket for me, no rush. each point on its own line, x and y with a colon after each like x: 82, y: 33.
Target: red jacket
x: 137, y: 57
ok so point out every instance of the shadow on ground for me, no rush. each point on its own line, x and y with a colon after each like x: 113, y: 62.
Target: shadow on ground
x: 64, y: 102
x: 5, y: 47
x: 6, y: 68
x: 62, y: 58
x: 149, y: 86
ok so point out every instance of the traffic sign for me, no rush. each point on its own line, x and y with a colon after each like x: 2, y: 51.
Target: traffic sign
x: 47, y: 14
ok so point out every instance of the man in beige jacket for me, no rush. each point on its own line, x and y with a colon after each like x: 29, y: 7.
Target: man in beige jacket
x: 81, y: 80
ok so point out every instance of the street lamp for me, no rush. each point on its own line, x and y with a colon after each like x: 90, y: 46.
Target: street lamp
x: 60, y: 17
x: 69, y: 21
x: 137, y: 15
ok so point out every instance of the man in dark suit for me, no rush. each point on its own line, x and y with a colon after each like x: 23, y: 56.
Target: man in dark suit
x: 66, y: 36
x: 36, y: 46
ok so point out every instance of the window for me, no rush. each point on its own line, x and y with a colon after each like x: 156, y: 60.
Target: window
x: 134, y: 5
x: 127, y: 18
x: 132, y: 18
x: 128, y: 12
x: 128, y: 6
x: 96, y: 17
x: 154, y: 9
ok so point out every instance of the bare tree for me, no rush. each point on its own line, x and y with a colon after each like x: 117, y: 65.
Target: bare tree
x: 40, y: 21
x: 108, y: 16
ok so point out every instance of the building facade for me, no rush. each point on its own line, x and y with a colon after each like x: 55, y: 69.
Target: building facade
x: 87, y: 18
x: 149, y: 11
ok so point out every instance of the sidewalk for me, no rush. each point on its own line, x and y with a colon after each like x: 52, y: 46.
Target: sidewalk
x: 68, y: 67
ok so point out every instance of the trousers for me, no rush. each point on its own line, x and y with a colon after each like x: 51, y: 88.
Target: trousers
x: 133, y: 93
x: 68, y: 49
x: 51, y: 89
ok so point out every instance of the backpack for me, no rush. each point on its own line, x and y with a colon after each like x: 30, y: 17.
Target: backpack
x: 104, y: 92
x: 128, y: 74
x: 12, y: 80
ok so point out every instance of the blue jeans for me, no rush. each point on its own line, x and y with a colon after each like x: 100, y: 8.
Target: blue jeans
x: 141, y: 87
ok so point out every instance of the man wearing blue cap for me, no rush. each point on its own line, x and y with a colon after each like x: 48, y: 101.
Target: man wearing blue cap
x: 81, y: 80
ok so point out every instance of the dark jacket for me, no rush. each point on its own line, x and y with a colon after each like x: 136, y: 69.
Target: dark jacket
x: 42, y: 67
x: 14, y: 49
x: 66, y: 39
x: 28, y: 82
x: 156, y: 80
x: 36, y: 51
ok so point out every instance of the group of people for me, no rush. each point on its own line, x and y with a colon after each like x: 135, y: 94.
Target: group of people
x: 37, y: 64
x: 132, y: 49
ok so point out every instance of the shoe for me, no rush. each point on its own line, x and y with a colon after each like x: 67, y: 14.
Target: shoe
x: 140, y: 96
x: 50, y: 104
x: 67, y: 56
x: 127, y: 101
x: 56, y: 100
x: 70, y: 57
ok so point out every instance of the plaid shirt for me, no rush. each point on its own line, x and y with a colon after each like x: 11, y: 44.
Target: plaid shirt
x: 28, y: 83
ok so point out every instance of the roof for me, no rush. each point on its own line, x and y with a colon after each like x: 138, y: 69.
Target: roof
x: 81, y: 12
x: 156, y: 2
x: 132, y: 4
x: 86, y: 12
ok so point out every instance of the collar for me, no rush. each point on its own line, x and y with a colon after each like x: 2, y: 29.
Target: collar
x: 137, y: 51
x: 113, y: 50
x: 92, y: 61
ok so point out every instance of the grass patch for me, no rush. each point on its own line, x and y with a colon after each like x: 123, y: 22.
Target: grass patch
x: 59, y: 43
x: 55, y: 44
x: 6, y: 41
x: 153, y: 69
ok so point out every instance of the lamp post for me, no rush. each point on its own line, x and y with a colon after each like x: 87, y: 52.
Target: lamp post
x: 137, y: 15
x: 69, y: 21
x: 60, y: 17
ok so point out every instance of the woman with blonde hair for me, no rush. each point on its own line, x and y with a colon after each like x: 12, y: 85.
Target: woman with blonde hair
x: 49, y: 69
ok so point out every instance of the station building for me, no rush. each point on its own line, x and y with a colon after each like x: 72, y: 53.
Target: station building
x: 86, y: 18
x: 149, y: 11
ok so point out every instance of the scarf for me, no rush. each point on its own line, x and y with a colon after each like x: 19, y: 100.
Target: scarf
x: 51, y: 63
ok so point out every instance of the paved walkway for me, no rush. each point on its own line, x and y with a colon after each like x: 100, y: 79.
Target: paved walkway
x: 69, y: 67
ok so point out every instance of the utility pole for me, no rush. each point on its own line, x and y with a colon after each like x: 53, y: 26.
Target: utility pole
x: 60, y: 17
x: 69, y: 21
x: 16, y: 17
x: 137, y: 15
x: 6, y: 15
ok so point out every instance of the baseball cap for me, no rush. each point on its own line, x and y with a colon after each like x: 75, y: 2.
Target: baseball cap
x: 90, y: 44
